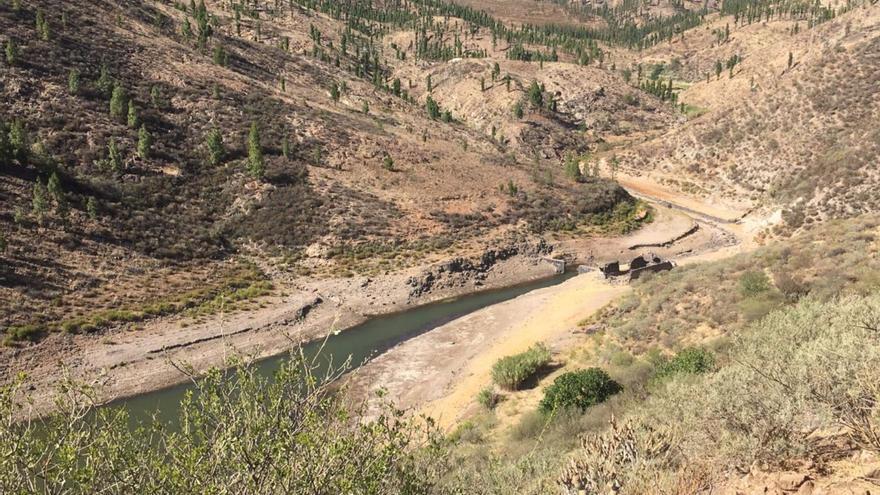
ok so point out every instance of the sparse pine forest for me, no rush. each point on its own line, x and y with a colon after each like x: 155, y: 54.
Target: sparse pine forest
x: 189, y: 186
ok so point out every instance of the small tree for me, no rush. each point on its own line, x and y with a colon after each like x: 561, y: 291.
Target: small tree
x: 42, y: 25
x: 105, y: 81
x: 117, y: 101
x: 790, y: 59
x: 256, y: 166
x: 156, y: 97
x: 536, y: 95
x: 220, y: 58
x: 114, y: 158
x: 433, y: 108
x: 145, y: 143
x: 388, y: 163
x: 11, y: 52
x: 73, y: 81
x: 92, y: 207
x: 334, y: 92
x: 133, y: 120
x: 19, y: 141
x: 215, y: 147
x: 40, y: 200
x: 518, y: 110
x: 573, y: 167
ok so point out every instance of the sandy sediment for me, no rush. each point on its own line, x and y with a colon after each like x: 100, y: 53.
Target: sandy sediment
x: 441, y: 371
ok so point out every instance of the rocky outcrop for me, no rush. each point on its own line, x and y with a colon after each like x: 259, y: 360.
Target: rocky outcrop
x: 458, y: 272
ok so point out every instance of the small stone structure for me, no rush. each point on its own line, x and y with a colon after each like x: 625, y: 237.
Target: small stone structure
x: 646, y: 263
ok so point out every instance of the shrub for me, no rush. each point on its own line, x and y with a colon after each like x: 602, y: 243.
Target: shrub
x: 286, y: 422
x: 692, y: 360
x: 488, y: 398
x: 752, y: 283
x: 510, y: 372
x: 579, y: 389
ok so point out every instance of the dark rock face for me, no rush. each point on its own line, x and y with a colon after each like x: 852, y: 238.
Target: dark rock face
x: 458, y: 272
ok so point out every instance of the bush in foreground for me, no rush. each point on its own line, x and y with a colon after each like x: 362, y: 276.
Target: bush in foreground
x: 579, y: 389
x: 510, y: 372
x: 239, y: 432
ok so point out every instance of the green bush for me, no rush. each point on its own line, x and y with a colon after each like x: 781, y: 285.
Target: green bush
x: 754, y: 282
x: 511, y: 371
x: 579, y: 389
x: 692, y: 360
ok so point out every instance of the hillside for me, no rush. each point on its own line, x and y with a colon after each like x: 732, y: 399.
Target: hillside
x: 790, y: 126
x: 351, y: 163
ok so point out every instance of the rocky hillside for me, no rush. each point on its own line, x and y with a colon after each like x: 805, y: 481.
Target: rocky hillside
x: 153, y: 144
x: 791, y: 125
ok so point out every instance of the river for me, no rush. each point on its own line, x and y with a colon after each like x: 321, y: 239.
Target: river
x: 359, y: 343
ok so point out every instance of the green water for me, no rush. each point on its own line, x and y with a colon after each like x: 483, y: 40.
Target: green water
x: 359, y: 343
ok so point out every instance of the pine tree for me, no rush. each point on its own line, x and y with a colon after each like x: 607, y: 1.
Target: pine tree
x: 105, y: 81
x: 433, y: 108
x: 186, y: 29
x: 388, y: 163
x: 718, y: 68
x: 256, y: 166
x: 573, y: 167
x: 40, y: 201
x: 790, y: 59
x: 145, y: 143
x: 216, y: 150
x: 285, y: 147
x: 133, y: 120
x: 42, y: 26
x: 536, y: 95
x: 334, y: 92
x: 156, y: 98
x: 11, y: 52
x: 220, y: 58
x: 430, y: 84
x: 18, y: 140
x: 92, y: 207
x: 57, y: 194
x: 518, y: 110
x: 366, y: 107
x: 114, y: 158
x: 73, y: 82
x: 117, y: 101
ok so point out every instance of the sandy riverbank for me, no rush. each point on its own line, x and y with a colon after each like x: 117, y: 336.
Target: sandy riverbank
x: 440, y: 372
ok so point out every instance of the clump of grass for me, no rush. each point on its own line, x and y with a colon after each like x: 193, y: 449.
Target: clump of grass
x: 510, y: 372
